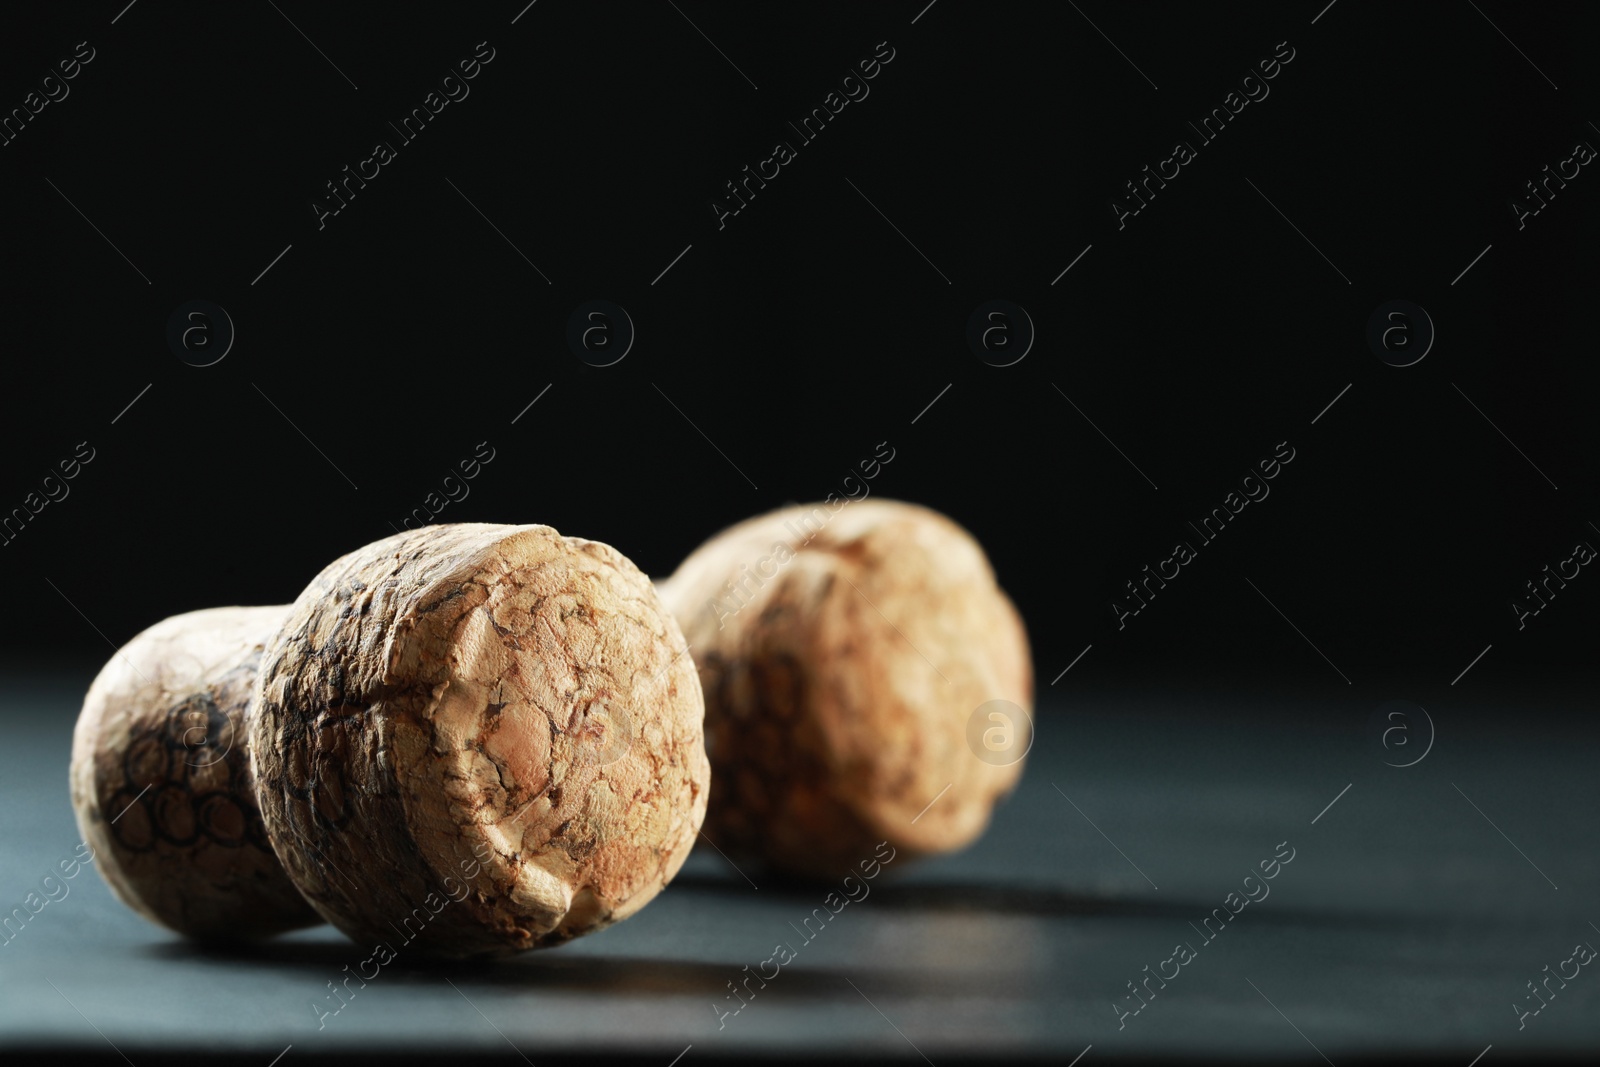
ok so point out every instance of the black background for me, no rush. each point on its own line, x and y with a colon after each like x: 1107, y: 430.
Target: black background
x: 808, y: 330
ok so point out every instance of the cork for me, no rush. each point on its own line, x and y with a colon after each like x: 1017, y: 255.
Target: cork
x: 844, y: 649
x: 161, y: 780
x: 475, y: 739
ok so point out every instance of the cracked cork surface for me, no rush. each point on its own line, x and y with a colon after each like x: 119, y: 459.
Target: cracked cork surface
x: 476, y: 739
x: 842, y: 651
x: 161, y: 780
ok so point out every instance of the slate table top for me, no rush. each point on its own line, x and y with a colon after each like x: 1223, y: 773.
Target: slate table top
x: 1418, y: 904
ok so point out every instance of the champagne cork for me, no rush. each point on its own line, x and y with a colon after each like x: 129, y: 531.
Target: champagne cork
x: 474, y: 739
x: 161, y: 779
x: 853, y: 657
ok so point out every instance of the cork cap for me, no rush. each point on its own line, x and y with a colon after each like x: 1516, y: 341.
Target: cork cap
x: 479, y: 739
x: 846, y: 651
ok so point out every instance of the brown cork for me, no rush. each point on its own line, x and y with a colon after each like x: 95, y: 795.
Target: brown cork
x: 161, y: 779
x: 473, y: 739
x: 844, y: 649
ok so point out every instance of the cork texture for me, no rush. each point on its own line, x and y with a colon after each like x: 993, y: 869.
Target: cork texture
x: 842, y: 651
x: 475, y: 739
x: 161, y: 779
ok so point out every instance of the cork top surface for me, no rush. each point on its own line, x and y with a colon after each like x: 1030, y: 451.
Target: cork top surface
x: 496, y: 719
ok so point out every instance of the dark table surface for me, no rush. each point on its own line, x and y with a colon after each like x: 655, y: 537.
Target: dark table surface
x: 1415, y: 910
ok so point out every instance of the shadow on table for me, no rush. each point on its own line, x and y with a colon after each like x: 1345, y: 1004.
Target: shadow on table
x: 550, y: 971
x: 1045, y: 902
x: 567, y: 971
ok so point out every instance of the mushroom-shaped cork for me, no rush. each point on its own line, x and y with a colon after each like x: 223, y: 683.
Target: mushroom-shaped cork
x: 865, y: 680
x: 479, y: 739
